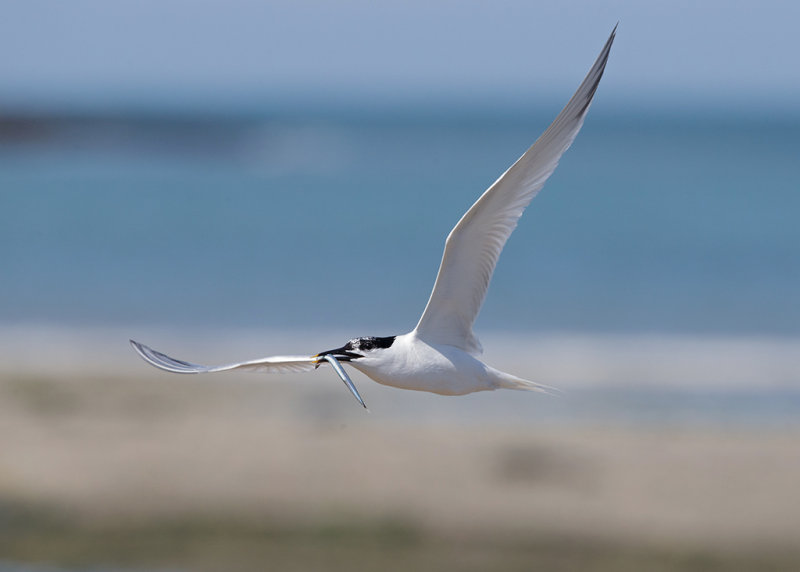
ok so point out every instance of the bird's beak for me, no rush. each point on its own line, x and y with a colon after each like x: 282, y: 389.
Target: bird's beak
x: 341, y: 354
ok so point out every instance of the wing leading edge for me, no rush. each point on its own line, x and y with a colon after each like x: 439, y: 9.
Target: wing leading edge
x: 474, y: 245
x: 274, y: 364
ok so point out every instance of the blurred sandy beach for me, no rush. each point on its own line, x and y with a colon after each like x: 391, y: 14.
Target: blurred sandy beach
x: 242, y: 469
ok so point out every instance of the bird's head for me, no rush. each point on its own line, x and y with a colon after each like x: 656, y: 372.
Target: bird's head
x: 359, y: 348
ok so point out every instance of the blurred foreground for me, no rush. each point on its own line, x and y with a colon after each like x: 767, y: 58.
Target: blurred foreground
x: 143, y: 470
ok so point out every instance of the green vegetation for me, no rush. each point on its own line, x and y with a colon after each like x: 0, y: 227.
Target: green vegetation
x: 240, y: 545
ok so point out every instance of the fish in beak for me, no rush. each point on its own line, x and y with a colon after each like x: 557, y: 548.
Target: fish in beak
x: 333, y: 357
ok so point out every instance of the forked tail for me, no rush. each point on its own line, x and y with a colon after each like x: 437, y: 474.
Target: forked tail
x: 508, y: 381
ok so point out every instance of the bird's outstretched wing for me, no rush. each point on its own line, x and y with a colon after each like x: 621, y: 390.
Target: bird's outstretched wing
x: 274, y: 364
x: 474, y: 245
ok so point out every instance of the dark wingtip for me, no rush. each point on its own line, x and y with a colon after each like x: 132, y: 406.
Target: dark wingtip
x: 136, y: 346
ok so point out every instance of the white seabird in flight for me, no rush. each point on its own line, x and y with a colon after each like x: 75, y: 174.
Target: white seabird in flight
x: 440, y: 353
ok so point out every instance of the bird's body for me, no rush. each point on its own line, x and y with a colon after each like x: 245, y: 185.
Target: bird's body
x: 440, y: 354
x: 413, y: 363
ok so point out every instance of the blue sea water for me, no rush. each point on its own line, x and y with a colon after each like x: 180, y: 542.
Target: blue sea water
x: 673, y: 223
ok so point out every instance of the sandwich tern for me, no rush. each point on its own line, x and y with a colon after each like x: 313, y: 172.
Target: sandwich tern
x: 440, y: 354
